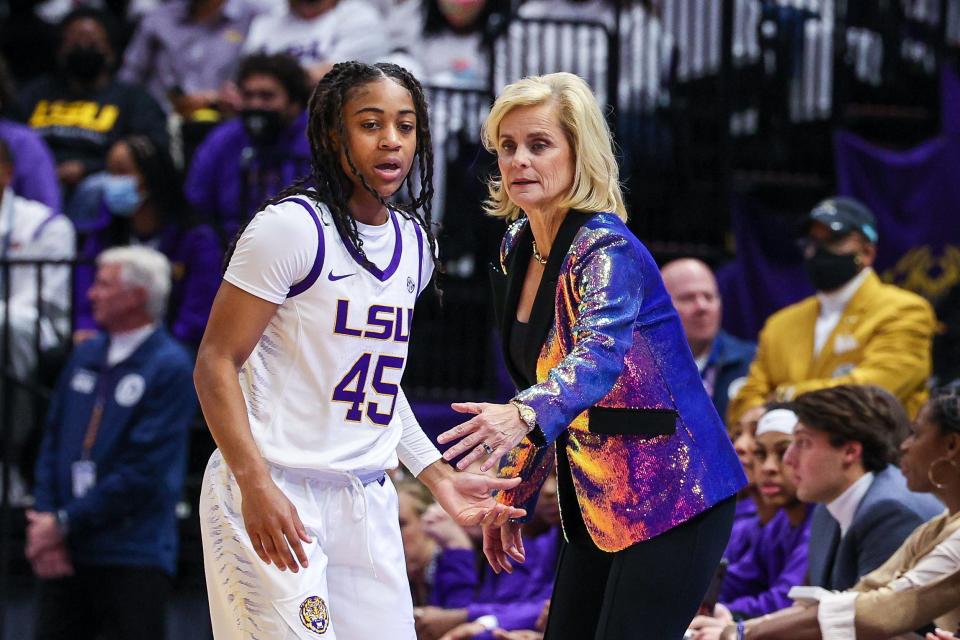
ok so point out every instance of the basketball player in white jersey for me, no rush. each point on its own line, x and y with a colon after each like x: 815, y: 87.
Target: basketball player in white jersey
x: 300, y: 523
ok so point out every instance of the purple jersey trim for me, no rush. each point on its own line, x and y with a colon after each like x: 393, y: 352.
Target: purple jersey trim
x: 416, y: 227
x: 46, y: 221
x: 307, y: 282
x: 383, y: 276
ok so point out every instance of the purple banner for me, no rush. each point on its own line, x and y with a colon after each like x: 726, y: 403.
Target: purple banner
x: 767, y: 273
x: 914, y: 193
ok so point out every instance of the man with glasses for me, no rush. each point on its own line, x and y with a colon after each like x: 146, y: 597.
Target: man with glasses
x: 855, y: 330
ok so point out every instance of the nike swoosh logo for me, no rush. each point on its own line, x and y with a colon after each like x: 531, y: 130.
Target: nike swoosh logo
x: 334, y: 278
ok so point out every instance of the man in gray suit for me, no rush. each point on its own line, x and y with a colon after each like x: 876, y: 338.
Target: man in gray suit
x: 844, y: 445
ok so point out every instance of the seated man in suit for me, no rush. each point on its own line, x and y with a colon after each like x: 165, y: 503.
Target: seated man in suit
x: 855, y: 330
x: 843, y: 447
x: 722, y: 359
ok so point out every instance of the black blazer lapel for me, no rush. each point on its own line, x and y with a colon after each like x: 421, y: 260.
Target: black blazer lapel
x: 543, y: 311
x: 498, y: 285
x: 506, y: 293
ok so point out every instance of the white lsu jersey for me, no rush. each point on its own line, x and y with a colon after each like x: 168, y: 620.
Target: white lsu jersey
x: 322, y: 384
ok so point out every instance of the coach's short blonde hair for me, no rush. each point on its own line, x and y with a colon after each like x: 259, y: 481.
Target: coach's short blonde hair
x: 596, y: 179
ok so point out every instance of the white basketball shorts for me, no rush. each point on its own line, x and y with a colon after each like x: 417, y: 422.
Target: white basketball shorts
x: 355, y: 587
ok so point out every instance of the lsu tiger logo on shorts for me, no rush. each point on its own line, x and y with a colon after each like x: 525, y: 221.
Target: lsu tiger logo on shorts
x: 314, y: 615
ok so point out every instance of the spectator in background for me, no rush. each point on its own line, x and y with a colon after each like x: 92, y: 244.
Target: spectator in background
x: 473, y: 605
x: 456, y: 568
x: 452, y: 53
x: 454, y: 48
x: 918, y: 585
x: 184, y: 52
x: 35, y: 175
x: 30, y: 230
x: 83, y: 109
x: 103, y: 534
x: 419, y: 550
x: 252, y: 157
x: 319, y: 33
x: 946, y: 342
x: 722, y: 359
x: 752, y: 511
x: 758, y: 583
x: 403, y: 20
x: 143, y: 205
x: 841, y: 457
x: 855, y: 330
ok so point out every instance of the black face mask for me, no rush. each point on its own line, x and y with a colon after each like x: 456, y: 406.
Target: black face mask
x: 84, y: 63
x: 830, y: 271
x: 263, y: 126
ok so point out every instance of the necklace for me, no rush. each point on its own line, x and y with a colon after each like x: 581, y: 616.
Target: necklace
x: 536, y: 254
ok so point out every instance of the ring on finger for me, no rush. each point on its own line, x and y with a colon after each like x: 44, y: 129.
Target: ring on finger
x: 487, y: 448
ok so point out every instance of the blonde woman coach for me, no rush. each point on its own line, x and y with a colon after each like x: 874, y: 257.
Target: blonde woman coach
x: 646, y: 471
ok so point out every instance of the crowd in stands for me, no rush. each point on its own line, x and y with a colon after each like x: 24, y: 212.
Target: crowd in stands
x: 149, y: 138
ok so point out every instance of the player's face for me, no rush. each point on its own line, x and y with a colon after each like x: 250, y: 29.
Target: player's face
x: 535, y: 158
x: 774, y: 478
x: 381, y: 125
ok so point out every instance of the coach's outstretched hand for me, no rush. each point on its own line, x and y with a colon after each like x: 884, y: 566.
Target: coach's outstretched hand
x: 491, y: 433
x: 467, y: 496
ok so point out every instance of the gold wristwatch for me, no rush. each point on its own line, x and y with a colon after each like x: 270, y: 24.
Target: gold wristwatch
x: 529, y: 416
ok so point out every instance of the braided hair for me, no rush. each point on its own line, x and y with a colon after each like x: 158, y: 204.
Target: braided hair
x: 329, y: 184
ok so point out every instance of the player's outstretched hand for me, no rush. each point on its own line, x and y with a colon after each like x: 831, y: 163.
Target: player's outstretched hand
x: 502, y: 543
x: 274, y: 526
x: 467, y: 497
x: 494, y: 430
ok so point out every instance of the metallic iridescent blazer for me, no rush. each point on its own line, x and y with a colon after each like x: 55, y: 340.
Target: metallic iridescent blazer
x: 616, y: 385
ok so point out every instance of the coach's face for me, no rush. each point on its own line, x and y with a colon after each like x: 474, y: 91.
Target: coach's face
x: 535, y: 158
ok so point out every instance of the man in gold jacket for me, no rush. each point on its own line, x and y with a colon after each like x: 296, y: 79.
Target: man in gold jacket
x: 855, y: 330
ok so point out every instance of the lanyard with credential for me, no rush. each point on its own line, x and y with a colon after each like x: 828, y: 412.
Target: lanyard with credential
x: 84, y: 470
x: 93, y: 427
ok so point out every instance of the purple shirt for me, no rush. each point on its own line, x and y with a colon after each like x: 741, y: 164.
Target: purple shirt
x: 229, y: 179
x: 34, y: 171
x: 745, y: 533
x: 170, y: 50
x: 516, y: 599
x: 758, y: 582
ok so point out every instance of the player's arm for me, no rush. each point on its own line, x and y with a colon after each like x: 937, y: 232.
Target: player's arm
x: 465, y: 496
x: 237, y: 320
x: 416, y: 451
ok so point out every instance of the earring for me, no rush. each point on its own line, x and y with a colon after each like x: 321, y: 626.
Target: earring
x: 931, y: 474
